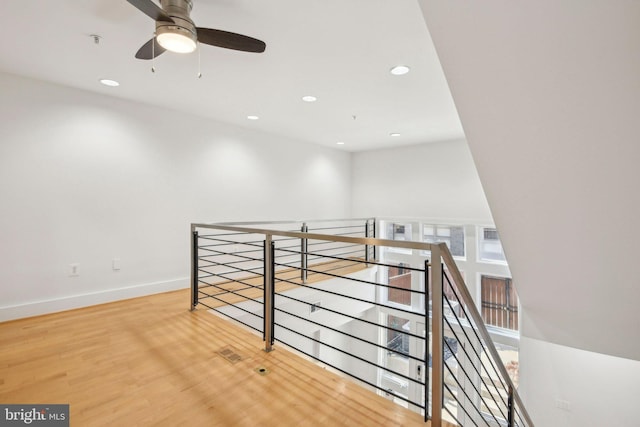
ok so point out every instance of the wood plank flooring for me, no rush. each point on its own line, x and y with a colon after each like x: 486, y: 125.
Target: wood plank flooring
x: 151, y: 362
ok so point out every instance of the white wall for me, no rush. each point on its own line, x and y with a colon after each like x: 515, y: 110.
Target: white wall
x: 599, y: 390
x: 548, y: 94
x: 435, y: 181
x: 87, y: 178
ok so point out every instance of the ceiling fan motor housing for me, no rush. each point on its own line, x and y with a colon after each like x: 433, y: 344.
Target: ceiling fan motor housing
x: 176, y: 32
x: 179, y: 11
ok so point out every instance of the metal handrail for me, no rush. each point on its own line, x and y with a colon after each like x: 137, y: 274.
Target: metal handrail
x: 477, y: 317
x: 318, y: 236
x: 296, y: 221
x: 440, y: 255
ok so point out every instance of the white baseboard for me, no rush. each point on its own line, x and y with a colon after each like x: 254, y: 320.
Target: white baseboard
x: 36, y: 308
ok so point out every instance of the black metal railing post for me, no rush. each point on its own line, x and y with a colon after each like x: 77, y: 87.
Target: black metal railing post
x: 264, y: 290
x: 366, y: 247
x: 194, y: 270
x: 273, y: 292
x: 375, y: 234
x: 510, y: 409
x: 437, y: 333
x: 426, y: 340
x: 304, y: 254
x: 268, y: 293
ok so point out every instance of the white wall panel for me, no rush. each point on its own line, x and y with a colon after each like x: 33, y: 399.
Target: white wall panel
x: 86, y: 178
x: 566, y: 387
x: 548, y: 93
x: 434, y: 181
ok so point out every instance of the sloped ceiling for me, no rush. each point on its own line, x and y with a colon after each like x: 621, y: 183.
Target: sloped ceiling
x: 549, y: 94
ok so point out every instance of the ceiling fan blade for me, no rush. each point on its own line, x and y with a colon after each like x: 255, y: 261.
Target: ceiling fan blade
x: 230, y: 40
x: 148, y: 50
x: 152, y: 10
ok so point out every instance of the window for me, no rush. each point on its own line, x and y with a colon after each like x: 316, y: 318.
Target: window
x: 452, y: 306
x: 399, y: 277
x: 489, y: 246
x: 397, y: 338
x: 394, y: 378
x: 490, y: 234
x: 453, y: 236
x: 499, y: 302
x: 396, y: 231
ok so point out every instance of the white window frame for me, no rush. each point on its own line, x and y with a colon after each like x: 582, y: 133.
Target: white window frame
x: 447, y: 240
x: 481, y: 241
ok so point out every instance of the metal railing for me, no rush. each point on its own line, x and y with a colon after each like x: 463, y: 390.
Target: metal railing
x: 318, y: 287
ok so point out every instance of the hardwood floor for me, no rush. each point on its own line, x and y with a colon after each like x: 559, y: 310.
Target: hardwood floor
x: 150, y: 361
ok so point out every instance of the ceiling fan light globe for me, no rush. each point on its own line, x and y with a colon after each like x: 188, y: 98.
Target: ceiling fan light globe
x: 177, y: 40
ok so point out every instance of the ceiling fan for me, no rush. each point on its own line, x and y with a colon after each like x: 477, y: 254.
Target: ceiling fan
x: 176, y: 32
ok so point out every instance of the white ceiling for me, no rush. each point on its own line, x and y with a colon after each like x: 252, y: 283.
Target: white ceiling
x: 339, y: 51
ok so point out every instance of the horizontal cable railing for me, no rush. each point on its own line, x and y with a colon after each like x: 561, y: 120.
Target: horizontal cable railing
x: 343, y: 335
x: 488, y: 388
x: 408, y: 331
x: 229, y: 270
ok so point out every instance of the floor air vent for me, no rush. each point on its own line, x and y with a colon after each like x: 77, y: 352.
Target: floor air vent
x: 230, y: 354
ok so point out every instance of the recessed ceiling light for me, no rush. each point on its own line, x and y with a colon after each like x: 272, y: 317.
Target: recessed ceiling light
x: 394, y: 134
x: 309, y: 98
x: 399, y: 70
x: 253, y: 117
x: 339, y: 143
x: 109, y: 82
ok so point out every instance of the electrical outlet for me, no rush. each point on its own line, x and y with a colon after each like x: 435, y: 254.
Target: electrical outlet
x: 115, y: 264
x: 74, y: 269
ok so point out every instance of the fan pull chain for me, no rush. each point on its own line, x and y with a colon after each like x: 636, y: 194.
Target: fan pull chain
x: 153, y: 54
x: 199, y: 62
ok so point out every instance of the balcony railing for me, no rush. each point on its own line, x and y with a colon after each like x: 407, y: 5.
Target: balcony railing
x: 319, y: 288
